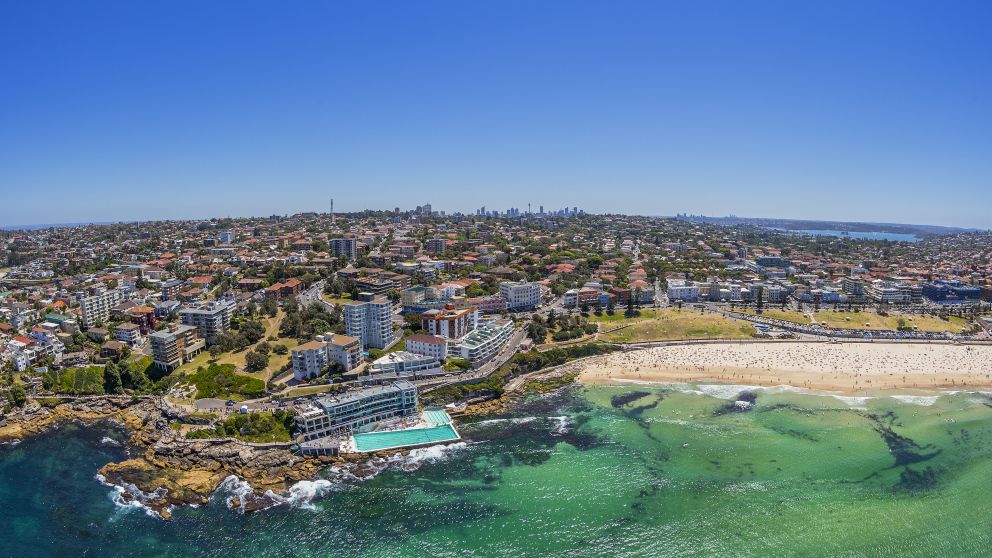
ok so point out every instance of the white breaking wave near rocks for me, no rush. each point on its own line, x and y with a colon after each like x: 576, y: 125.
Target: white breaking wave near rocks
x: 412, y: 461
x: 235, y: 491
x: 302, y: 494
x: 419, y: 457
x: 490, y: 422
x: 108, y: 441
x: 129, y: 497
x: 561, y: 425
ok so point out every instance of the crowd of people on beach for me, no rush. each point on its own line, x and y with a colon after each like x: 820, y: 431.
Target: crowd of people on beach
x: 805, y: 364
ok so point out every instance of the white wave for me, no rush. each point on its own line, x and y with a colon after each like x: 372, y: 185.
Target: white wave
x: 489, y: 422
x: 231, y: 488
x: 127, y: 496
x: 724, y: 391
x: 433, y: 454
x: 925, y: 400
x: 560, y: 425
x: 302, y: 494
x: 851, y: 400
x: 782, y: 388
x: 108, y: 441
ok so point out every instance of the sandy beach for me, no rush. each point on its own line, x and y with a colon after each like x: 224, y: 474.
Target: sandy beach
x: 843, y: 367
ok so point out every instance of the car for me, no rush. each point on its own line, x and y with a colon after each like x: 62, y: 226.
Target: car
x: 231, y: 403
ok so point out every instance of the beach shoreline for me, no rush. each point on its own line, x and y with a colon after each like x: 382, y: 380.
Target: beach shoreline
x: 847, y: 368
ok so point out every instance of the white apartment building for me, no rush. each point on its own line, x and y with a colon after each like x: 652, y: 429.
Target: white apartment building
x: 680, y: 290
x: 884, y: 292
x: 404, y: 365
x: 520, y: 295
x: 211, y: 319
x: 310, y: 358
x: 97, y: 308
x: 427, y: 345
x: 370, y: 321
x: 483, y: 343
x: 452, y: 323
x: 128, y: 333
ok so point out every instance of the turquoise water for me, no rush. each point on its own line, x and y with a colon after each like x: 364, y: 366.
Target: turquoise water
x: 436, y: 417
x: 375, y: 441
x: 588, y: 472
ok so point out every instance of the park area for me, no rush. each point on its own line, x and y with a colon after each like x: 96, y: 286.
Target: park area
x: 868, y: 320
x: 671, y: 324
x: 238, y: 358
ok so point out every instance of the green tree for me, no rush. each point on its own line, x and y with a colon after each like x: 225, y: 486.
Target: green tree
x: 133, y: 376
x: 112, y: 379
x: 255, y: 361
x: 537, y: 332
x: 412, y: 320
x: 17, y: 396
x: 270, y: 306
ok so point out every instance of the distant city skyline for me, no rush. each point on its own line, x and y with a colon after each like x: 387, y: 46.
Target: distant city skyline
x: 845, y: 111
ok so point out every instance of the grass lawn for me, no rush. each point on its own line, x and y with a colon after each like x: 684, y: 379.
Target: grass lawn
x: 777, y: 314
x: 343, y: 299
x: 276, y: 362
x: 222, y: 382
x: 673, y: 324
x: 619, y: 319
x: 252, y: 427
x: 857, y: 320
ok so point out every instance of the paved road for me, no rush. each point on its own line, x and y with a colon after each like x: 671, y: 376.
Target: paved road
x: 312, y: 295
x: 511, y: 348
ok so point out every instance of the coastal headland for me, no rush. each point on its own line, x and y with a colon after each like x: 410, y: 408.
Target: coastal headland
x: 167, y: 470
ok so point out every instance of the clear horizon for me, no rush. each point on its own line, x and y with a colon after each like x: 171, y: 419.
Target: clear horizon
x: 852, y: 112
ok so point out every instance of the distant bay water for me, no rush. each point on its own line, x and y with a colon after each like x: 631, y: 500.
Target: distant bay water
x: 860, y: 235
x: 601, y: 471
x: 41, y: 226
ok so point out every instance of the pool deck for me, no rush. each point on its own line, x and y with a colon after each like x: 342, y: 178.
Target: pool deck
x: 435, y: 427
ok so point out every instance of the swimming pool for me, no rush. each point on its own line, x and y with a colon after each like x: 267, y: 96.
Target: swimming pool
x: 375, y: 441
x: 436, y: 417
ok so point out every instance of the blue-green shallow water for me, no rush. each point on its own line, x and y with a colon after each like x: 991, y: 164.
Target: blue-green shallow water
x: 798, y: 475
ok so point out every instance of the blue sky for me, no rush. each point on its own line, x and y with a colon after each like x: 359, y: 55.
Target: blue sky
x: 860, y: 110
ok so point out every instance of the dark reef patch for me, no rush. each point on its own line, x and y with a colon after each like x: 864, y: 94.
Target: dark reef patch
x: 625, y: 398
x: 744, y: 402
x: 911, y: 480
x: 905, y: 450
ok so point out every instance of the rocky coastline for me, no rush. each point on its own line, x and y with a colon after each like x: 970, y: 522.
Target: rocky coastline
x: 164, y: 469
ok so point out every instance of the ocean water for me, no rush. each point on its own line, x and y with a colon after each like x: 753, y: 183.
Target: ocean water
x: 861, y: 235
x: 588, y: 471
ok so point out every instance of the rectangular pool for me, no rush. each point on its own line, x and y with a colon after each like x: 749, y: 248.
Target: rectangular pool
x: 436, y: 417
x: 375, y: 441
